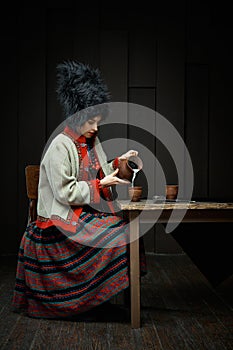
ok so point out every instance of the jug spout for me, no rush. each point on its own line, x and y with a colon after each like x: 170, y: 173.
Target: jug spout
x: 127, y: 167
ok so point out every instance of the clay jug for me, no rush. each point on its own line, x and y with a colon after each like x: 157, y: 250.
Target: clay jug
x: 126, y: 167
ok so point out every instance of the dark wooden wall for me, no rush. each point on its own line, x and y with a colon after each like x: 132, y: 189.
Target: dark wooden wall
x: 175, y: 58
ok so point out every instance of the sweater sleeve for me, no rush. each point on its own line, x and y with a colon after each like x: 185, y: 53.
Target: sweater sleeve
x: 107, y: 166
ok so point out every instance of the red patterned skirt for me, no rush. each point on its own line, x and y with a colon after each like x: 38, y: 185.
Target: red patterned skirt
x: 59, y: 277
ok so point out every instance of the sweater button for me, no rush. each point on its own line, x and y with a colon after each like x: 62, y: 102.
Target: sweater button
x: 74, y: 223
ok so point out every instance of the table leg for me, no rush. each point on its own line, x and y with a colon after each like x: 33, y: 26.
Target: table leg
x: 134, y: 269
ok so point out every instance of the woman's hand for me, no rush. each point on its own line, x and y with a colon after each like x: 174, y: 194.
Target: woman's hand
x: 128, y: 154
x: 112, y: 179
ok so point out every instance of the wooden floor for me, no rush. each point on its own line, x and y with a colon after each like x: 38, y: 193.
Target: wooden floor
x: 180, y: 310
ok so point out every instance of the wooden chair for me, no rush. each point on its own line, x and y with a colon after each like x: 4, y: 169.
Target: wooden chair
x: 32, y: 180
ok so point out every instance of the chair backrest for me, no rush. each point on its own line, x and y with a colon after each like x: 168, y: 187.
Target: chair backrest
x: 32, y: 179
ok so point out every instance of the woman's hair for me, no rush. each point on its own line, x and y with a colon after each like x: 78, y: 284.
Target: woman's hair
x: 81, y: 92
x: 79, y: 118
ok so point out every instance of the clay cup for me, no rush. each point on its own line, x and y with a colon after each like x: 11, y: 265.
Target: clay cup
x: 171, y: 191
x: 135, y: 193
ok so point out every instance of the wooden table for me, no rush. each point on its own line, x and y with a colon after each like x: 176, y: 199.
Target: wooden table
x: 146, y: 211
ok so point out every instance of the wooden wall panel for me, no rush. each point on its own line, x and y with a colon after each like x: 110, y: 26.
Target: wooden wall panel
x: 197, y: 128
x: 86, y: 46
x: 114, y: 63
x: 86, y: 33
x: 198, y: 24
x: 142, y: 58
x: 113, y: 15
x: 69, y: 37
x: 59, y: 48
x: 170, y: 83
x: 221, y: 106
x: 144, y: 97
x: 142, y: 16
x: 9, y: 131
x: 32, y: 97
x: 142, y: 82
x: 170, y: 99
x: 114, y: 68
x: 56, y: 4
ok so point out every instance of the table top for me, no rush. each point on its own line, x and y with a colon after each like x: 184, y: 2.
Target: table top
x: 151, y: 205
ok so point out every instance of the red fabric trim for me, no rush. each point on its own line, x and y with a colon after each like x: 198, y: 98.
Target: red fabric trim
x: 97, y: 186
x: 67, y: 225
x: 77, y: 137
x: 115, y: 163
x: 74, y: 135
x: 107, y: 193
x: 44, y: 224
x: 94, y: 186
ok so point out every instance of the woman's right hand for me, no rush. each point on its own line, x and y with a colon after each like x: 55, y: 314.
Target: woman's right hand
x: 112, y: 179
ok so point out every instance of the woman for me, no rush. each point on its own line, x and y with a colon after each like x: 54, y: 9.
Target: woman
x: 74, y: 257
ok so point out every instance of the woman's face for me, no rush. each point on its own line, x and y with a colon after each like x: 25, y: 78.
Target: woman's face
x: 90, y: 127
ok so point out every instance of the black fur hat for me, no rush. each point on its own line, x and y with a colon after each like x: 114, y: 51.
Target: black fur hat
x: 80, y: 86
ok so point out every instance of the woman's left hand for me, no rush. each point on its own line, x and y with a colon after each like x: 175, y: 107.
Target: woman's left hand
x: 112, y: 179
x: 128, y: 154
